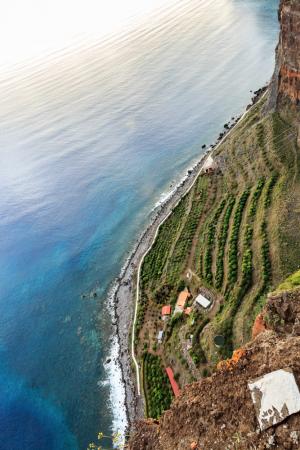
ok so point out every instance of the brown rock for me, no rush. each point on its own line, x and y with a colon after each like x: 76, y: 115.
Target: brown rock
x: 285, y: 85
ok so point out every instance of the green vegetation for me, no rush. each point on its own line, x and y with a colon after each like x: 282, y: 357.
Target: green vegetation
x: 184, y: 241
x: 247, y: 259
x: 234, y: 239
x: 247, y: 245
x: 210, y: 242
x: 255, y: 197
x: 265, y: 256
x: 292, y: 282
x: 262, y: 145
x: 196, y: 352
x: 157, y: 387
x: 270, y: 187
x: 155, y: 260
x: 222, y: 239
x: 140, y: 315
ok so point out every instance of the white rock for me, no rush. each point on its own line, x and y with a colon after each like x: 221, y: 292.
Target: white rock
x: 275, y: 396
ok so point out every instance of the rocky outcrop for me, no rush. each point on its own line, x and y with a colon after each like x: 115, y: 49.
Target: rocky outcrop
x: 217, y: 412
x: 285, y: 86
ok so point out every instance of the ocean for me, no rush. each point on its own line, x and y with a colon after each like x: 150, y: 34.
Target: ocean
x: 91, y: 139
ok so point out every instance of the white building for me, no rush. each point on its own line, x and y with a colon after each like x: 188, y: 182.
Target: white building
x: 160, y: 336
x: 202, y: 301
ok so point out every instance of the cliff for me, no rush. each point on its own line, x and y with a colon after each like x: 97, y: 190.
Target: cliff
x: 218, y: 412
x: 285, y: 86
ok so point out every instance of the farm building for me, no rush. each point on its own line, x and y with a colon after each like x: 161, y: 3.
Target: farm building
x: 174, y: 385
x: 165, y: 311
x: 181, y: 301
x: 202, y: 301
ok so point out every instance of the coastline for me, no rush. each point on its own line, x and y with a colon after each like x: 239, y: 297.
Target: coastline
x: 123, y: 292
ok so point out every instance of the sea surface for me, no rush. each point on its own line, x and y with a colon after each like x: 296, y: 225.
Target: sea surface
x: 91, y: 139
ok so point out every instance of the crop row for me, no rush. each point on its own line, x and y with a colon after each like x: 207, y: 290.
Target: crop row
x: 233, y: 243
x: 247, y: 263
x: 270, y: 187
x: 262, y: 145
x: 155, y: 260
x: 265, y: 255
x: 259, y: 299
x: 184, y: 241
x: 157, y: 386
x: 247, y: 258
x: 255, y: 197
x: 140, y: 315
x: 222, y: 243
x: 210, y: 242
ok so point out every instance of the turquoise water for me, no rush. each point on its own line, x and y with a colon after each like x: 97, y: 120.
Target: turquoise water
x: 89, y: 142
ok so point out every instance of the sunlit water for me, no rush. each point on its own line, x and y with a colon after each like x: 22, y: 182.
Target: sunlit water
x: 89, y: 141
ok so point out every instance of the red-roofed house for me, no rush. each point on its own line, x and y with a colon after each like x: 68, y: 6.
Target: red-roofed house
x: 174, y: 385
x: 165, y: 311
x: 181, y: 301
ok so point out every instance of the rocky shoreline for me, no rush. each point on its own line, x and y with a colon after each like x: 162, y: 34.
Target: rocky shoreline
x: 123, y: 293
x: 124, y: 301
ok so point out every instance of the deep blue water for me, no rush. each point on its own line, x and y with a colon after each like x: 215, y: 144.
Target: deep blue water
x: 89, y: 141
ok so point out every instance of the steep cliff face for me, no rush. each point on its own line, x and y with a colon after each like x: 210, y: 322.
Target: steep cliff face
x: 217, y: 412
x: 285, y: 87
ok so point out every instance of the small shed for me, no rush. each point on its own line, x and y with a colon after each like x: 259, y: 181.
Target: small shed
x: 202, y: 301
x: 165, y: 311
x: 160, y: 336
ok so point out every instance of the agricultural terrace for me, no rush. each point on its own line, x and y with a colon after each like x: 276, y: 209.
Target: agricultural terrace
x: 227, y: 238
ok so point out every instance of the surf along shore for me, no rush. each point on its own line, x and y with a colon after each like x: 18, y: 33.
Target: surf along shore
x: 124, y: 297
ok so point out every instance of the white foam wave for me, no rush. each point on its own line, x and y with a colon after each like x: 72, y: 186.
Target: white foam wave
x: 117, y: 391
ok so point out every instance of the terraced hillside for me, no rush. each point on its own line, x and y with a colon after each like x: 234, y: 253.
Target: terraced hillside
x: 232, y: 237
